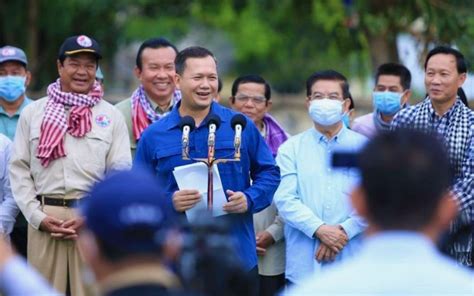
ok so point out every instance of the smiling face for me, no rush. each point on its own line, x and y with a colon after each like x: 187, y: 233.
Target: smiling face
x: 442, y: 78
x: 77, y: 73
x: 250, y: 100
x: 198, y: 83
x: 157, y: 73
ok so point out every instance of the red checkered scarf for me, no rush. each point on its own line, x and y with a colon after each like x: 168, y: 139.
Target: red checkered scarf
x: 142, y: 112
x: 55, y: 125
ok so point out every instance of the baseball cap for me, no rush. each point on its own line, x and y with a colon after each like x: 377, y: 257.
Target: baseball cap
x: 79, y: 44
x: 128, y: 211
x: 11, y: 53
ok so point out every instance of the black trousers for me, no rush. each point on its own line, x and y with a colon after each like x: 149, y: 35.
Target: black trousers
x: 271, y: 285
x: 253, y: 281
x: 19, y: 235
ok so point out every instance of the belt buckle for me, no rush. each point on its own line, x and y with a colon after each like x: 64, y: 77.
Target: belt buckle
x: 64, y: 203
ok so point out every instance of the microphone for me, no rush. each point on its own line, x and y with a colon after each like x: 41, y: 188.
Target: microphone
x: 238, y: 124
x: 213, y: 123
x: 186, y: 125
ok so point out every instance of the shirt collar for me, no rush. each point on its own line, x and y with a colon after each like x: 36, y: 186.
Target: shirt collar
x: 26, y: 101
x: 175, y: 118
x: 322, y: 138
x: 401, y: 241
x: 157, y: 108
x: 447, y: 114
x: 379, y: 121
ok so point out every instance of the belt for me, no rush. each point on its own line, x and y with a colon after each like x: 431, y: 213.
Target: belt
x: 58, y: 202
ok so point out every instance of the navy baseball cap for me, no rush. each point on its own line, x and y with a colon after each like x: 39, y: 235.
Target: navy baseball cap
x: 11, y: 53
x: 129, y: 212
x: 79, y: 44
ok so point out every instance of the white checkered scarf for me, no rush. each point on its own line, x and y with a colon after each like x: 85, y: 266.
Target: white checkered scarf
x: 55, y: 124
x: 458, y: 137
x: 141, y: 107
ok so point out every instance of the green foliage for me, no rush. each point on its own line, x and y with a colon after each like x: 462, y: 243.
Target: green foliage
x: 284, y: 40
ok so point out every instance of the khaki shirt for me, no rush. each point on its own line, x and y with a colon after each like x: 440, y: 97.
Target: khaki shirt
x: 125, y: 107
x: 87, y: 159
x: 273, y: 263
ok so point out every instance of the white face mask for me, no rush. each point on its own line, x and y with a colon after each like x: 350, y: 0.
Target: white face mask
x: 326, y: 112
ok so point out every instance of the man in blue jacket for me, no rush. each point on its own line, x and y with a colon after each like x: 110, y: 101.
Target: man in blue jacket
x: 249, y: 183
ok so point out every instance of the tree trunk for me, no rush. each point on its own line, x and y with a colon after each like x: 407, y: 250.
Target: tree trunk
x: 32, y: 40
x: 383, y: 49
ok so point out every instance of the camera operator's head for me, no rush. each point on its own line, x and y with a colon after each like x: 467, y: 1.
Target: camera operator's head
x: 405, y: 184
x: 128, y: 226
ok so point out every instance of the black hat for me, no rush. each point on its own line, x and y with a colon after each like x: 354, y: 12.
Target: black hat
x: 78, y: 44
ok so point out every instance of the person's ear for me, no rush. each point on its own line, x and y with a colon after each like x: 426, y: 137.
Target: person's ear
x: 462, y: 78
x: 177, y: 80
x: 308, y: 102
x: 406, y: 96
x: 60, y: 67
x: 268, y: 105
x: 446, y: 211
x: 28, y: 78
x: 137, y: 72
x: 346, y: 105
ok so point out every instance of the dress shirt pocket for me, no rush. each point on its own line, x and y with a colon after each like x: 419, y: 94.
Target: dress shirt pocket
x: 97, y: 148
x: 35, y: 164
x: 225, y: 149
x: 231, y: 172
x: 167, y: 158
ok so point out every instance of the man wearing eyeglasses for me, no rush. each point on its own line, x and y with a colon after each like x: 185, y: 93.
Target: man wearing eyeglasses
x: 251, y: 95
x: 313, y: 197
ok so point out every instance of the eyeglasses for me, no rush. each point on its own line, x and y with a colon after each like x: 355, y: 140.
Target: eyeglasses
x: 257, y: 100
x: 320, y: 96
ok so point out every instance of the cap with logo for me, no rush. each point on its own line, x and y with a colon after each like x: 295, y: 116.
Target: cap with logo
x: 129, y: 211
x: 11, y: 53
x: 79, y: 44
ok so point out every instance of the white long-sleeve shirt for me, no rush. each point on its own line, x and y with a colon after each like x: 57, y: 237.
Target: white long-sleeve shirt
x: 8, y: 207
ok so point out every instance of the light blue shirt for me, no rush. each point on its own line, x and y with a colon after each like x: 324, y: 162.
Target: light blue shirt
x: 8, y: 123
x: 312, y: 193
x: 8, y: 207
x: 17, y: 278
x: 392, y: 263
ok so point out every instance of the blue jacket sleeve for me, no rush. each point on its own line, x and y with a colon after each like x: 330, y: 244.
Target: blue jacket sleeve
x: 264, y: 173
x: 144, y: 159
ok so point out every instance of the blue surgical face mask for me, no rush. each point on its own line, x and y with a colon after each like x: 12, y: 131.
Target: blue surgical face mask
x: 387, y: 102
x: 326, y: 112
x: 12, y: 87
x: 346, y: 120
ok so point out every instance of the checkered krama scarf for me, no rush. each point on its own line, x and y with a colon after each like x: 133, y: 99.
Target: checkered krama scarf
x: 142, y: 111
x: 55, y: 124
x: 458, y: 136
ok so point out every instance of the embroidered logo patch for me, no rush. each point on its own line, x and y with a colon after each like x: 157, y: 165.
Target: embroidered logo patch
x: 102, y: 120
x: 84, y: 41
x: 8, y: 52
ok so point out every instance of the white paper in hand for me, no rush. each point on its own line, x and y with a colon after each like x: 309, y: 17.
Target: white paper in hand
x: 194, y: 176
